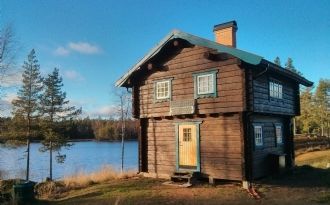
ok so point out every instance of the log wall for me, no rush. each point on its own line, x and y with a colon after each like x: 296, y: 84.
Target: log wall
x: 260, y: 99
x: 230, y: 84
x: 221, y: 148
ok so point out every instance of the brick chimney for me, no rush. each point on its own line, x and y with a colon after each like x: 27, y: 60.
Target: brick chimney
x: 225, y: 33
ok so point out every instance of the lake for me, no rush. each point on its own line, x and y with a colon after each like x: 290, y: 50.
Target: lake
x: 86, y: 156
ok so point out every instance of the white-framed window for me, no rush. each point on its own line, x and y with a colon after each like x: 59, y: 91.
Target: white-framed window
x: 278, y: 134
x: 258, y: 140
x: 205, y: 84
x: 275, y: 90
x: 162, y: 89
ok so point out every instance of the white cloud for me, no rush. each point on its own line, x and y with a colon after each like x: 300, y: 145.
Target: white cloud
x: 12, y: 79
x: 61, y: 51
x: 84, y: 47
x: 79, y: 47
x: 73, y: 75
x: 103, y: 112
x: 10, y: 97
x: 5, y: 104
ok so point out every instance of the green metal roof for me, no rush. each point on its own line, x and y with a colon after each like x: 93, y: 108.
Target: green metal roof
x: 243, y: 55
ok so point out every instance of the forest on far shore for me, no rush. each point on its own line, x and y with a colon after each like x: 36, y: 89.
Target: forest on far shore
x: 97, y: 129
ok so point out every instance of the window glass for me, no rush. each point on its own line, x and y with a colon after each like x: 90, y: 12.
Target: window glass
x: 186, y: 134
x: 279, y: 136
x: 162, y: 90
x: 275, y: 90
x: 258, y: 135
x: 205, y: 84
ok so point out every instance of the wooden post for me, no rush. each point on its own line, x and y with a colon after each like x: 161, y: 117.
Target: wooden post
x: 211, y: 180
x: 294, y: 126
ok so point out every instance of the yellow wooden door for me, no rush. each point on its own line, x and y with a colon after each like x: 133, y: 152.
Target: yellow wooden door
x: 187, y: 146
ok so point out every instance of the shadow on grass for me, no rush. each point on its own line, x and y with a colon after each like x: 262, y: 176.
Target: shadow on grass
x: 301, y: 176
x: 108, y: 192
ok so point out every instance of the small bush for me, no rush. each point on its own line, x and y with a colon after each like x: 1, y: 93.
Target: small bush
x: 49, y: 189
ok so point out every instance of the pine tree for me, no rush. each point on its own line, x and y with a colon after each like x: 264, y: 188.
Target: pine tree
x: 322, y: 104
x: 306, y: 120
x: 277, y: 61
x: 289, y: 65
x: 26, y: 106
x: 56, y: 115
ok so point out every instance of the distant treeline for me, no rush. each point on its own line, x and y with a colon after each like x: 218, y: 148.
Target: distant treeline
x: 98, y: 129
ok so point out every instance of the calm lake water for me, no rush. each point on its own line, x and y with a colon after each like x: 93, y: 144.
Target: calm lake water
x: 86, y: 157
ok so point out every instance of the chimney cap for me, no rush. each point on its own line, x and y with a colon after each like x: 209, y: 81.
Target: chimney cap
x: 225, y: 25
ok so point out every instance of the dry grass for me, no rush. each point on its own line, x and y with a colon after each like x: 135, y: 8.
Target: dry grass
x: 317, y: 159
x: 106, y: 173
x: 57, y: 189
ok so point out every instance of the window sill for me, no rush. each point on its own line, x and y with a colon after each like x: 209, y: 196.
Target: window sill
x: 162, y: 100
x: 211, y: 95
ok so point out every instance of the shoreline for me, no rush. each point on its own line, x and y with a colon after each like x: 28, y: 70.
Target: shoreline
x: 79, y: 140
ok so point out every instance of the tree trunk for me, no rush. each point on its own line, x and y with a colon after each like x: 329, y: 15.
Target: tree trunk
x: 51, y: 161
x: 122, y: 133
x: 122, y: 152
x: 28, y: 148
x: 322, y: 129
x: 27, y: 159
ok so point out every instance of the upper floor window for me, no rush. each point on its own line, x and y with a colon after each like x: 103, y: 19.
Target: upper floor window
x: 275, y: 90
x: 205, y: 84
x: 258, y: 138
x: 278, y: 134
x: 162, y: 89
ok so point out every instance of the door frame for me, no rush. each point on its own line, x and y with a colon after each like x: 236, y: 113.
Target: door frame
x: 197, y: 124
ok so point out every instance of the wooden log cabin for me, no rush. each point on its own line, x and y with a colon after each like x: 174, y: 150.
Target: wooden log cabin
x: 207, y: 107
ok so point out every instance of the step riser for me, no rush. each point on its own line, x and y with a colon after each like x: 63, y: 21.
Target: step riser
x: 188, y: 177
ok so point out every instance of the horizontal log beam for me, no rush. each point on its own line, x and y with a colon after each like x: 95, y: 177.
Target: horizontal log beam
x: 215, y: 56
x: 154, y: 66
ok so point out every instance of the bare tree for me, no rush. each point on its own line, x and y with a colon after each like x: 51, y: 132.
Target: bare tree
x: 7, y: 54
x: 124, y: 113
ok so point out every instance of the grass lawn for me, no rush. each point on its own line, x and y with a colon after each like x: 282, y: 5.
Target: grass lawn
x: 304, y: 185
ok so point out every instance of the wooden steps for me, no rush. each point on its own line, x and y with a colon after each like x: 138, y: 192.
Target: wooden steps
x: 185, y: 178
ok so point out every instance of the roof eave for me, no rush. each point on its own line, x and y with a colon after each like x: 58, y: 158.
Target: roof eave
x: 243, y: 55
x: 298, y: 78
x: 121, y: 82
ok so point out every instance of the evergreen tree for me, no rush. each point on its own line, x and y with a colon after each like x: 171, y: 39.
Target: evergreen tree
x: 322, y: 105
x: 289, y: 65
x: 57, y: 115
x: 277, y: 61
x: 26, y: 106
x: 306, y: 121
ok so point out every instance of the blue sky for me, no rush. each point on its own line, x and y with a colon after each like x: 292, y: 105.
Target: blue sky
x: 94, y: 42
